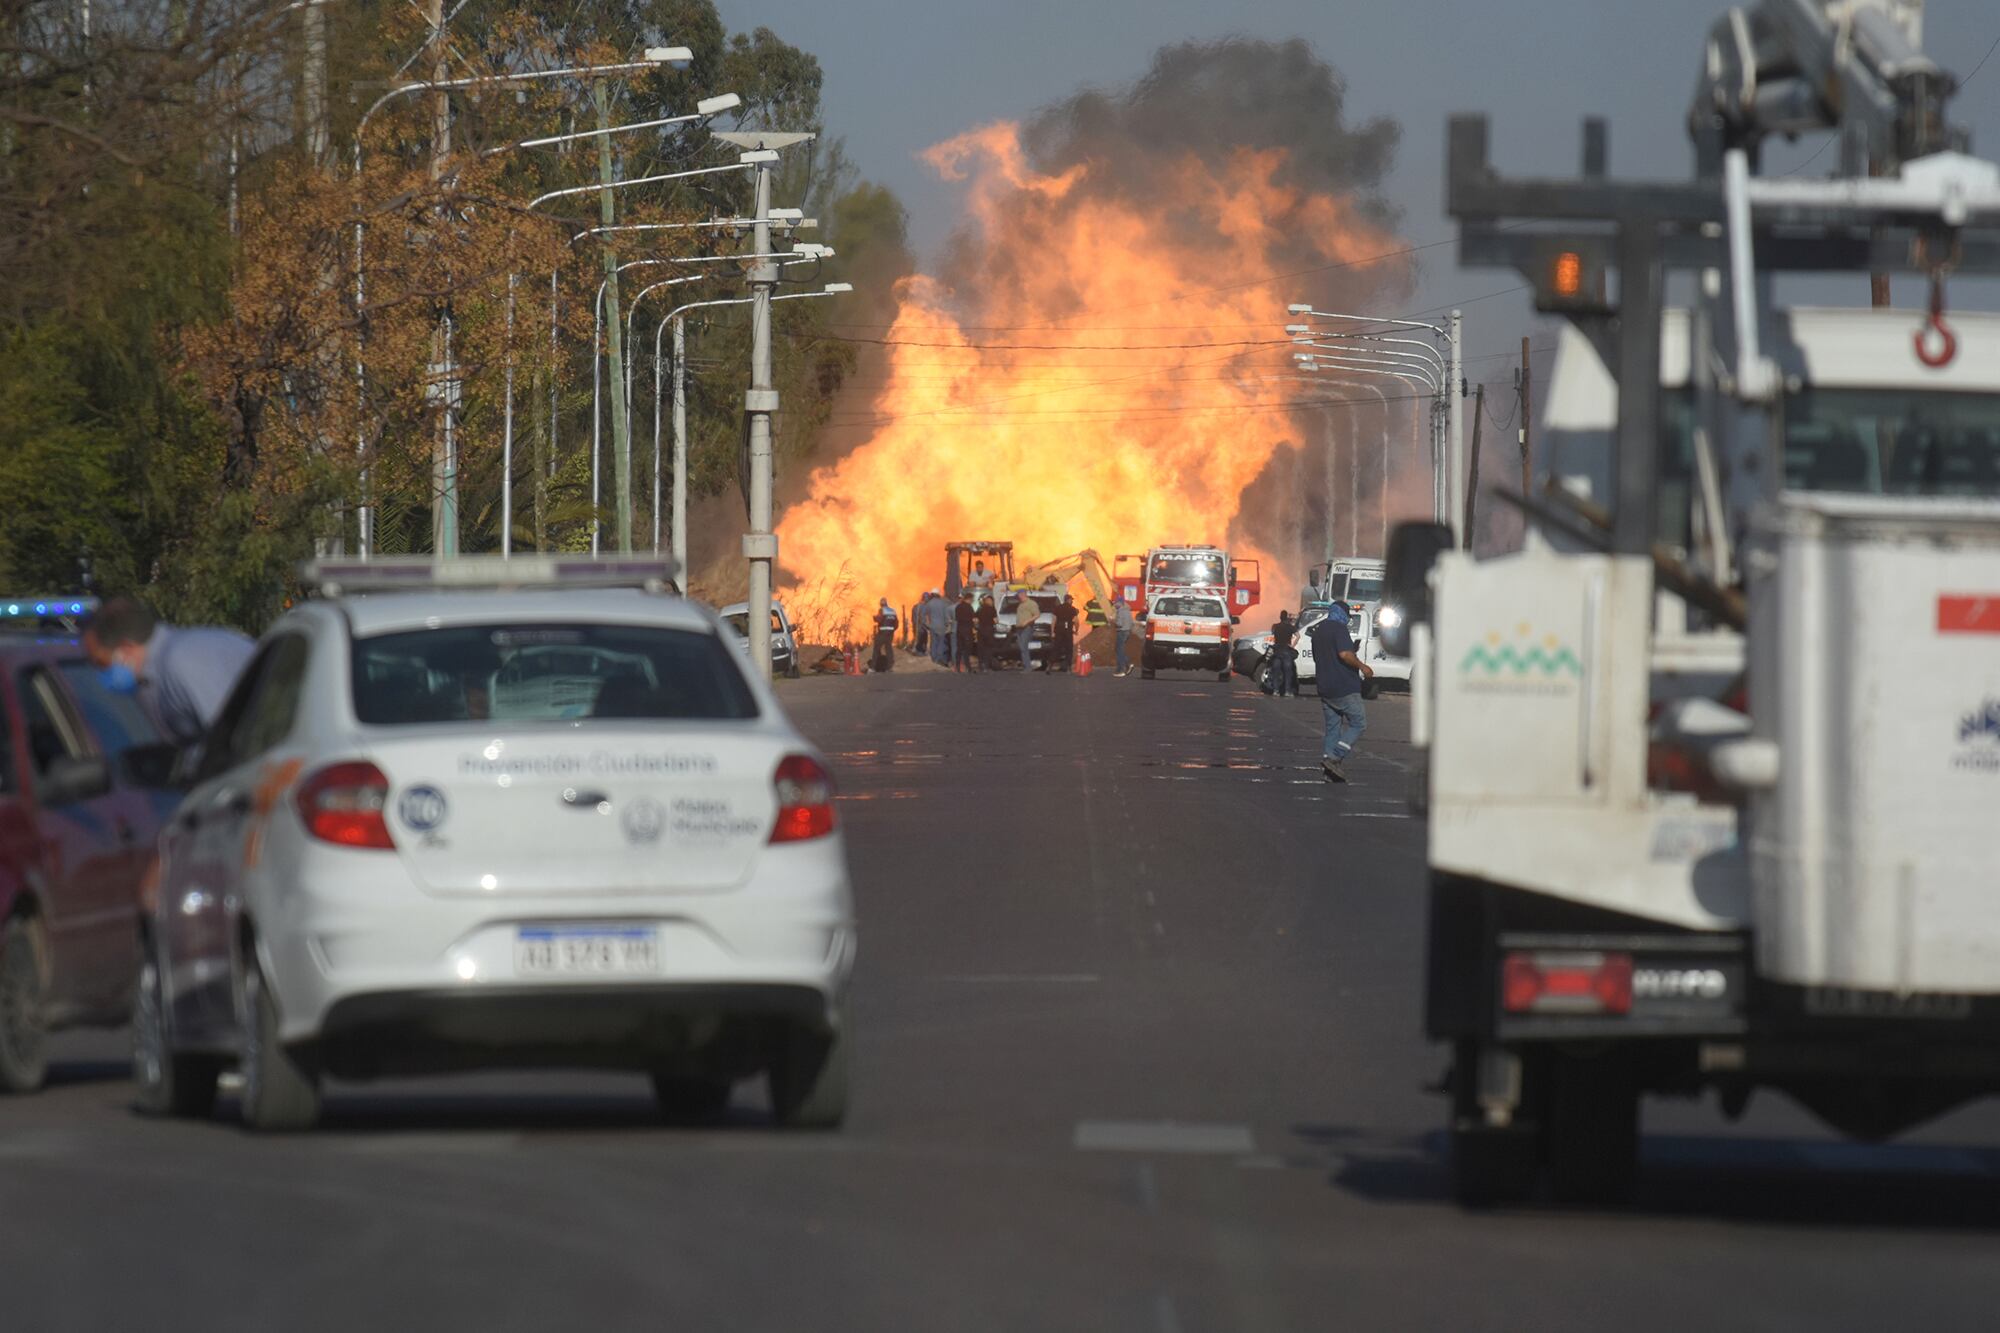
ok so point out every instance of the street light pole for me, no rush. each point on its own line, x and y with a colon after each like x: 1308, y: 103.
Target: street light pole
x: 676, y: 56
x: 1455, y: 398
x: 760, y: 543
x: 676, y: 317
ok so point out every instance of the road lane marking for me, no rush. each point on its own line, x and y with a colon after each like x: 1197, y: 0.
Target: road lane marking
x: 1163, y: 1136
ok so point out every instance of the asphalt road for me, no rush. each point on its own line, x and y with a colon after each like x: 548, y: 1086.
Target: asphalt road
x: 1139, y: 1051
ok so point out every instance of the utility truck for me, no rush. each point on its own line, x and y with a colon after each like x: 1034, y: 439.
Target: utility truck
x: 1713, y: 763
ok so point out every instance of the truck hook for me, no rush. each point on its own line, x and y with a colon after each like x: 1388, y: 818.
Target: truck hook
x: 1939, y: 354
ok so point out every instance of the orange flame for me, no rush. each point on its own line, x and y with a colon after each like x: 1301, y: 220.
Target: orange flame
x: 1115, y: 380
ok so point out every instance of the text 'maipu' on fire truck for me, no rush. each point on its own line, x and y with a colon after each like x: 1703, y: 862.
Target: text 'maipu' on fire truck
x: 1187, y: 569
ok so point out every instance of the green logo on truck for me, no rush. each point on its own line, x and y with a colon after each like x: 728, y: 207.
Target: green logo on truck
x: 1527, y: 659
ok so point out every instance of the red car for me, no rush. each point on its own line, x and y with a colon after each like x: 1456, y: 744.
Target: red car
x: 76, y: 837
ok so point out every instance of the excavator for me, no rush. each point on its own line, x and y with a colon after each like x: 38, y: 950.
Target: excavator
x: 1064, y: 570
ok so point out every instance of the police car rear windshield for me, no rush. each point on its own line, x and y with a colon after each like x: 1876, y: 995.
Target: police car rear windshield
x: 1205, y: 607
x: 546, y: 673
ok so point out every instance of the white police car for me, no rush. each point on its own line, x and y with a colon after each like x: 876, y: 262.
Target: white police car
x: 458, y: 827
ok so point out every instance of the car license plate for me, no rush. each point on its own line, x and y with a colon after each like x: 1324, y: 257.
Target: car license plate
x: 1187, y: 648
x: 596, y: 951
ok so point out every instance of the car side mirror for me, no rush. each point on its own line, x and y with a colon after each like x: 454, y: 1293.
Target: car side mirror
x: 1413, y: 549
x: 71, y: 779
x: 155, y: 767
x: 1236, y: 620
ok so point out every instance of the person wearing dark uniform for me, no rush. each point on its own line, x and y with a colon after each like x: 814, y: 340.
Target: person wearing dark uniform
x: 885, y: 636
x: 989, y: 634
x: 1065, y: 633
x: 1282, y: 676
x: 963, y: 633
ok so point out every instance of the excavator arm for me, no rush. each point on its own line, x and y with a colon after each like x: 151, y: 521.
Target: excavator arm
x: 1087, y: 565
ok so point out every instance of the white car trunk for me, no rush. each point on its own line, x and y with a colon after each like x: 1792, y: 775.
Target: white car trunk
x: 588, y: 809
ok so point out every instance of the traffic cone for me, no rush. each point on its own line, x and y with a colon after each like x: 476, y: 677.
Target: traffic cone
x: 1082, y: 663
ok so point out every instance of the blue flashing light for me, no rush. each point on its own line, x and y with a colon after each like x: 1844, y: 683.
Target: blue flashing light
x: 14, y: 609
x: 41, y: 608
x: 76, y: 608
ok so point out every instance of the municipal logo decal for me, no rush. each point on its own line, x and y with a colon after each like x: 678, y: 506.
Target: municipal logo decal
x: 643, y: 821
x: 423, y: 808
x: 1525, y: 662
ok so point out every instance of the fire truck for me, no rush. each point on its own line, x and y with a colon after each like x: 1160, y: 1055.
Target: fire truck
x: 1138, y: 579
x: 1710, y: 765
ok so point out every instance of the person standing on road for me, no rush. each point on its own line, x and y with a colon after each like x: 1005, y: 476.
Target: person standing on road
x: 1338, y: 674
x: 1123, y: 625
x: 1026, y: 612
x: 1282, y: 676
x: 183, y: 676
x: 920, y: 626
x: 989, y: 634
x: 885, y: 636
x: 963, y: 634
x: 1065, y: 633
x: 939, y: 618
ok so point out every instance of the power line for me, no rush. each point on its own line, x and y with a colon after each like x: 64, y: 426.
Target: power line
x: 1981, y: 65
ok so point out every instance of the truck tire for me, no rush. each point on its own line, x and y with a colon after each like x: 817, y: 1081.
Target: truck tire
x: 24, y: 1031
x: 1260, y: 672
x: 1590, y: 1133
x: 1492, y: 1168
x: 280, y: 1092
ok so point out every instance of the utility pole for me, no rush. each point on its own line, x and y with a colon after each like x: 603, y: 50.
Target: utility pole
x: 1527, y: 408
x: 1455, y: 402
x: 680, y: 535
x: 444, y: 389
x: 1472, y: 467
x: 760, y: 544
x: 621, y: 434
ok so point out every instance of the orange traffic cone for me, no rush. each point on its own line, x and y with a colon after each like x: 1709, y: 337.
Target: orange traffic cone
x: 1082, y: 663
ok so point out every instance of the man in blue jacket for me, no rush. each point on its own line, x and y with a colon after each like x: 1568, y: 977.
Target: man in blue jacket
x: 1339, y: 672
x: 182, y: 675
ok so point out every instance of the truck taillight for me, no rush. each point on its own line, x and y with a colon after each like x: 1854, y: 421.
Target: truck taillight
x: 344, y: 803
x: 805, y: 800
x: 1549, y: 982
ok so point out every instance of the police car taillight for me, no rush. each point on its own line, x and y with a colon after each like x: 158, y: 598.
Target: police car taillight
x: 805, y: 800
x: 344, y: 803
x: 1548, y: 981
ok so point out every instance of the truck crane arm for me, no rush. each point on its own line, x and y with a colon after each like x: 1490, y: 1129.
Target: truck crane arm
x: 1791, y: 66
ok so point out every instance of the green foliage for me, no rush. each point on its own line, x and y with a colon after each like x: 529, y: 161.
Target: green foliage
x: 165, y: 384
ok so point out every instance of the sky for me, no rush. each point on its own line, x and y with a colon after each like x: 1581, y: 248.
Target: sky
x: 904, y: 74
